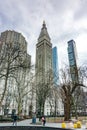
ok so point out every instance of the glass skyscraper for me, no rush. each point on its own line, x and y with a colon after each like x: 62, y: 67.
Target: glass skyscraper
x: 72, y: 55
x: 55, y: 65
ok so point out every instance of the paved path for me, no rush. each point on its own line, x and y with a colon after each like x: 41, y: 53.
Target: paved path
x: 28, y: 123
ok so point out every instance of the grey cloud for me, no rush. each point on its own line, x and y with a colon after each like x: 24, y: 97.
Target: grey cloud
x: 72, y: 34
x: 82, y: 57
x: 62, y: 6
x: 26, y: 16
x: 81, y: 12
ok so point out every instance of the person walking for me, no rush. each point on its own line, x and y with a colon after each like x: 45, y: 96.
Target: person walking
x: 15, y: 120
x: 43, y: 120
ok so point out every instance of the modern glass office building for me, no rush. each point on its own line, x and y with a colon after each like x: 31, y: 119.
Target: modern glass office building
x: 72, y: 55
x: 55, y: 65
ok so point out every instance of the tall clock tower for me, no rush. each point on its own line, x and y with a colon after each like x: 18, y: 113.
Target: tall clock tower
x: 43, y: 56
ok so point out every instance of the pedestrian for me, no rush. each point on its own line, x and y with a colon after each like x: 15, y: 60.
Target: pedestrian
x: 15, y: 120
x: 43, y: 120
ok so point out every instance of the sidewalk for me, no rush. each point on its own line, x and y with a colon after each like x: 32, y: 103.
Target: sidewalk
x: 29, y: 121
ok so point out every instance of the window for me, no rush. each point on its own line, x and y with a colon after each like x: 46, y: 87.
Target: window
x: 72, y: 62
x: 73, y: 77
x: 70, y: 49
x: 71, y: 56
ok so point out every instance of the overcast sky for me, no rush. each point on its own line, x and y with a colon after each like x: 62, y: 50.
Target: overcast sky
x: 65, y: 20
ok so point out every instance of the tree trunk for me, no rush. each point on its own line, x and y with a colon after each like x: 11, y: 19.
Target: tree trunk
x: 43, y: 108
x: 19, y: 108
x: 67, y: 108
x: 40, y: 111
x: 5, y: 88
x: 55, y: 108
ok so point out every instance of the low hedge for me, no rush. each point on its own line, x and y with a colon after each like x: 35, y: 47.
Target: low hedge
x: 6, y: 119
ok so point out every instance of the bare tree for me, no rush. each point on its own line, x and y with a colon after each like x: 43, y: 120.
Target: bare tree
x: 11, y: 58
x: 23, y: 89
x: 67, y: 89
x: 78, y: 104
x: 56, y: 99
x: 43, y: 90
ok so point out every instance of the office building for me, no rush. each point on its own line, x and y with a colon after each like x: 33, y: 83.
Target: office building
x: 72, y: 55
x: 43, y: 55
x: 55, y: 66
x: 43, y: 61
x: 13, y: 49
